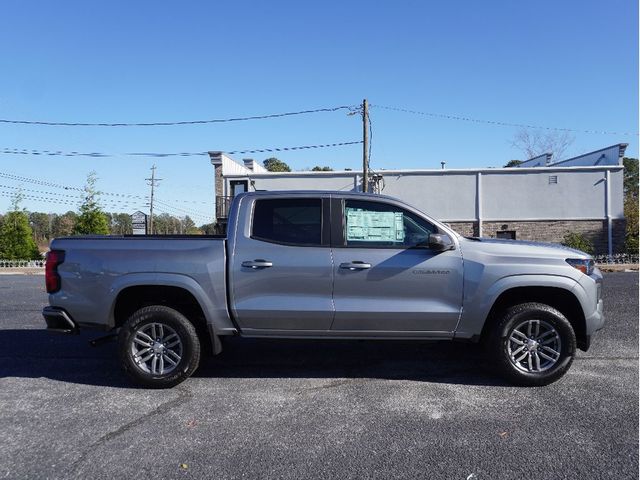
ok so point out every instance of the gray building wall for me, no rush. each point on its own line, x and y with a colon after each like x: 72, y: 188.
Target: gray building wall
x: 452, y: 195
x: 540, y: 203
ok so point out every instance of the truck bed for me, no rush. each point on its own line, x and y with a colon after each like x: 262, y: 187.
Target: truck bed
x: 97, y: 268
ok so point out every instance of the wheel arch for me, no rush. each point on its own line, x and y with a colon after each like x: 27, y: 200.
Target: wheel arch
x: 562, y: 299
x: 133, y: 295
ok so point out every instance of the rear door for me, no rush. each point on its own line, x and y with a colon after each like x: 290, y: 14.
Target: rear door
x: 281, y: 270
x: 386, y: 277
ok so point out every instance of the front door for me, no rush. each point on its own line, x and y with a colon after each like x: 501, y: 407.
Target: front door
x: 281, y: 269
x: 386, y: 277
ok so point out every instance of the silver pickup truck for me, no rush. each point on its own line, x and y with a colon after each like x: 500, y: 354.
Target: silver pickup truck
x: 325, y: 265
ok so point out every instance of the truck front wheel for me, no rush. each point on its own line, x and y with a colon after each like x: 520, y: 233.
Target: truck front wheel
x: 158, y: 347
x: 533, y: 344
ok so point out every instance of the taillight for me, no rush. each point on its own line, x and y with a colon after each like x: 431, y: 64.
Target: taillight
x: 51, y: 276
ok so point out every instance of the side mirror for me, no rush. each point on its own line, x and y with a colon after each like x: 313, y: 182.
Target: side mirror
x: 440, y: 242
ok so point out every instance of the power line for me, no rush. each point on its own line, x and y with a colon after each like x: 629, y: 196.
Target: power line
x: 44, y: 183
x: 185, y: 211
x: 175, y: 215
x: 502, y: 124
x: 55, y: 194
x: 58, y: 153
x: 63, y: 201
x: 37, y: 182
x: 185, y: 122
x: 66, y: 197
x: 303, y: 147
x: 52, y: 197
x: 52, y: 153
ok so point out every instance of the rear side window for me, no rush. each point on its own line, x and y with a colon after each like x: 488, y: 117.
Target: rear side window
x: 293, y: 221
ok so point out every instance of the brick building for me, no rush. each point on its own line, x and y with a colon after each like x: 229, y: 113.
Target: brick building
x: 539, y: 200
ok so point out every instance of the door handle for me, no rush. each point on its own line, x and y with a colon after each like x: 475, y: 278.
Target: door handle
x: 257, y: 263
x: 356, y: 265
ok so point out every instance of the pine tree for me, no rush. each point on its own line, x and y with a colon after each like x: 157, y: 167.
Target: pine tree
x: 16, y: 236
x: 91, y: 219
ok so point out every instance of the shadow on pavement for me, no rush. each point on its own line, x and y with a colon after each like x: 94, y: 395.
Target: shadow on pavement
x: 38, y: 353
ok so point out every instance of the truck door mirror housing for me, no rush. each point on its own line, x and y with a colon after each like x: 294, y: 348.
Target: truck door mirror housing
x: 440, y: 242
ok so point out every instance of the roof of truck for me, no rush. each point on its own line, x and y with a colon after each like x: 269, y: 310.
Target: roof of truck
x: 319, y: 193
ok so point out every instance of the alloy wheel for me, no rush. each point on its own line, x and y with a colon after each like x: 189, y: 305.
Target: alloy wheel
x: 534, y: 346
x: 156, y: 348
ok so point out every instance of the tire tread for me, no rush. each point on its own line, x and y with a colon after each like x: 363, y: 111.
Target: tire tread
x: 152, y: 313
x: 500, y: 331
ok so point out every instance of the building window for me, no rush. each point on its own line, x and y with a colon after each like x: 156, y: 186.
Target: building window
x: 294, y: 221
x: 553, y: 179
x: 508, y: 234
x: 238, y: 187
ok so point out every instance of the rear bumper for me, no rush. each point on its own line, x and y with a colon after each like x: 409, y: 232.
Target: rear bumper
x: 58, y: 320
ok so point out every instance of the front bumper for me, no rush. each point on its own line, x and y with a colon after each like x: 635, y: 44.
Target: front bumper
x: 594, y: 322
x: 58, y: 320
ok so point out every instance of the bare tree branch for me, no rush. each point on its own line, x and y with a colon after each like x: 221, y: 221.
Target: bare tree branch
x: 535, y: 142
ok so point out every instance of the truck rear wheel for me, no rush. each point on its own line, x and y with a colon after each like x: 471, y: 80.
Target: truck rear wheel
x: 158, y: 347
x: 533, y: 344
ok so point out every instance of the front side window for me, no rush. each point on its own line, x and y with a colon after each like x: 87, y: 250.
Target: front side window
x: 292, y: 221
x: 373, y: 224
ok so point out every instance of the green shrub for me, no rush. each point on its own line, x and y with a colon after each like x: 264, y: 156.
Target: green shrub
x: 631, y: 234
x: 579, y: 242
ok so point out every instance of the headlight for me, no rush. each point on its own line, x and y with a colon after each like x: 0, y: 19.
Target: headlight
x: 585, y: 266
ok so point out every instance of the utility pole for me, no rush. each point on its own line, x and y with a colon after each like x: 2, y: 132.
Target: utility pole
x: 152, y: 183
x: 365, y: 146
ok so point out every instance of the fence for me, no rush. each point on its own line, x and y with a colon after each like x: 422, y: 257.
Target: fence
x: 617, y: 259
x: 22, y: 263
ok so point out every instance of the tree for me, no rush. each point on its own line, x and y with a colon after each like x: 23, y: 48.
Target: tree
x: 631, y: 232
x: 91, y: 219
x: 62, y: 225
x: 121, y: 224
x: 40, y: 223
x: 513, y: 163
x: 16, y: 236
x: 274, y: 165
x: 631, y: 203
x: 208, y: 229
x: 630, y: 176
x: 189, y: 226
x: 165, y: 224
x: 535, y: 142
x: 321, y: 169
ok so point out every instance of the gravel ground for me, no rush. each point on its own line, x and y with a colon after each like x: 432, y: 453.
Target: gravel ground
x: 296, y: 409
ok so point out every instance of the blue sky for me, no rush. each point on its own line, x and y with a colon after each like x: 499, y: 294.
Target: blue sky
x: 570, y: 64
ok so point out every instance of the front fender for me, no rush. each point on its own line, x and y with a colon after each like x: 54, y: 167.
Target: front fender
x: 476, y: 310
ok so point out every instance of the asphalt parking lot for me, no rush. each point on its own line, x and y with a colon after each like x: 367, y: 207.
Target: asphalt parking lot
x: 319, y: 409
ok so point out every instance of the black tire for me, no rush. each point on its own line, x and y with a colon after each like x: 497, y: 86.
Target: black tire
x: 503, y: 348
x: 175, y: 326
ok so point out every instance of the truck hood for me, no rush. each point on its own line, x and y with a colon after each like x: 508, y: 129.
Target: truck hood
x: 520, y: 248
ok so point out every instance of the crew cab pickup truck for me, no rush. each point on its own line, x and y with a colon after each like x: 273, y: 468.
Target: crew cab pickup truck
x: 325, y: 265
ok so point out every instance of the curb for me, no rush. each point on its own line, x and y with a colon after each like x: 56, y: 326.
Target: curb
x: 22, y: 271
x: 622, y: 267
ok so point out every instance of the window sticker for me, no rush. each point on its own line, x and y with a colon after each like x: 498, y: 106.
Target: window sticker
x: 368, y: 226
